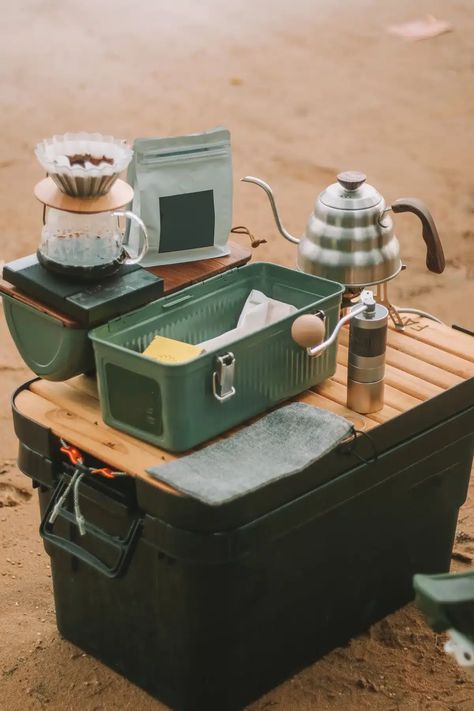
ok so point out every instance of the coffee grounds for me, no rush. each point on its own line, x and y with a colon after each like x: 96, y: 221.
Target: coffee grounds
x: 81, y: 159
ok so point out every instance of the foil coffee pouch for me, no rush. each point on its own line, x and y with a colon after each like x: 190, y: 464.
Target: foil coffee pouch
x: 183, y: 194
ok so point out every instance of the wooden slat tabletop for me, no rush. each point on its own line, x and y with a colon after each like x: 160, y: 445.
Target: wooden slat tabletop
x: 423, y: 361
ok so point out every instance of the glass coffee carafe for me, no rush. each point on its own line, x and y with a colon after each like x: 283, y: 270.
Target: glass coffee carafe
x: 89, y: 245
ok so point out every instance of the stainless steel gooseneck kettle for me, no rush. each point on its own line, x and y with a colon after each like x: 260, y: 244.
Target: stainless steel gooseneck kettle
x: 349, y: 236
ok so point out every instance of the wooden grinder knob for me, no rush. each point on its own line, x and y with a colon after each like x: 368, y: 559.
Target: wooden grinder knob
x: 308, y: 330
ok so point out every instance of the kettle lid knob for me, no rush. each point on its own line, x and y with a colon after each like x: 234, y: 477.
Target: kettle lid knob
x: 351, y: 179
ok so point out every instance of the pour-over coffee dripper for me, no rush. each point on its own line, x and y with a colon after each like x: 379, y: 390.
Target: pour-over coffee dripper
x: 81, y: 235
x: 84, y: 164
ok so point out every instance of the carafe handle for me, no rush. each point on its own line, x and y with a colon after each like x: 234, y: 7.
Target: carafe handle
x: 125, y: 236
x: 434, y: 254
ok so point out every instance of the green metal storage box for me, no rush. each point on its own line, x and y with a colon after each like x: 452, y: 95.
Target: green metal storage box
x: 176, y: 406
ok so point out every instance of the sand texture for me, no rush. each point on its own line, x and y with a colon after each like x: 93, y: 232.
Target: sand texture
x: 307, y: 88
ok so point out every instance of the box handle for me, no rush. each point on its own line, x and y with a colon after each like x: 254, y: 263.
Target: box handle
x: 124, y: 546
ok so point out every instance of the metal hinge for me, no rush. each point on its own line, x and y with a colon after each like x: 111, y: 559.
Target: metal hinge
x: 223, y: 377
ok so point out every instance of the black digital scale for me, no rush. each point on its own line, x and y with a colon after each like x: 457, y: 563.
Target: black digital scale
x: 87, y: 303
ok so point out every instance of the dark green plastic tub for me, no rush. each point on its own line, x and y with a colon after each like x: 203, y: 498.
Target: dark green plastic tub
x: 208, y: 607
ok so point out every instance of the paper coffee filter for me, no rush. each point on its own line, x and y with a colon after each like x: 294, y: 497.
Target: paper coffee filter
x: 89, y: 180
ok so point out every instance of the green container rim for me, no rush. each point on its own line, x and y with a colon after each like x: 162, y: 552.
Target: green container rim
x: 99, y: 334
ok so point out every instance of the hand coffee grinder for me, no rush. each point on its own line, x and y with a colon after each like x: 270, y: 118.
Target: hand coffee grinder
x: 367, y: 344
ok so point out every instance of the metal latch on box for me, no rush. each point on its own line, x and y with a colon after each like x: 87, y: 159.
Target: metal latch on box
x: 223, y: 377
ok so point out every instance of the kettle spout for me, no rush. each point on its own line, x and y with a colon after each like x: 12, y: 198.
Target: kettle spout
x: 268, y: 190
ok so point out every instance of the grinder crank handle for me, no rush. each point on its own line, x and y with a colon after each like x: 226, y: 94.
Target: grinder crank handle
x: 434, y: 254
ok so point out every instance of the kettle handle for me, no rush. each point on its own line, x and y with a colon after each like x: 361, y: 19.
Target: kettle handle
x: 434, y: 254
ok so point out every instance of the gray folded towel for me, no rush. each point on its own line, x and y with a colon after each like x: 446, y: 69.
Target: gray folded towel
x: 279, y: 444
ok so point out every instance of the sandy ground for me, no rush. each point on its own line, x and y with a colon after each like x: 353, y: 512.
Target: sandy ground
x: 307, y: 89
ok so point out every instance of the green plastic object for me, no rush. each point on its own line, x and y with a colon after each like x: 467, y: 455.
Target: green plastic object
x: 447, y: 601
x: 52, y: 350
x: 177, y: 406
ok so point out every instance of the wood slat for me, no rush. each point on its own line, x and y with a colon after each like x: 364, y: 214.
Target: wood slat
x: 337, y: 392
x: 360, y: 422
x: 64, y: 396
x: 410, y: 384
x: 407, y: 363
x: 424, y: 353
x: 432, y: 355
x: 400, y: 380
x: 87, y: 407
x: 394, y: 398
x: 79, y: 424
x: 11, y: 291
x: 86, y: 384
x: 443, y: 338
